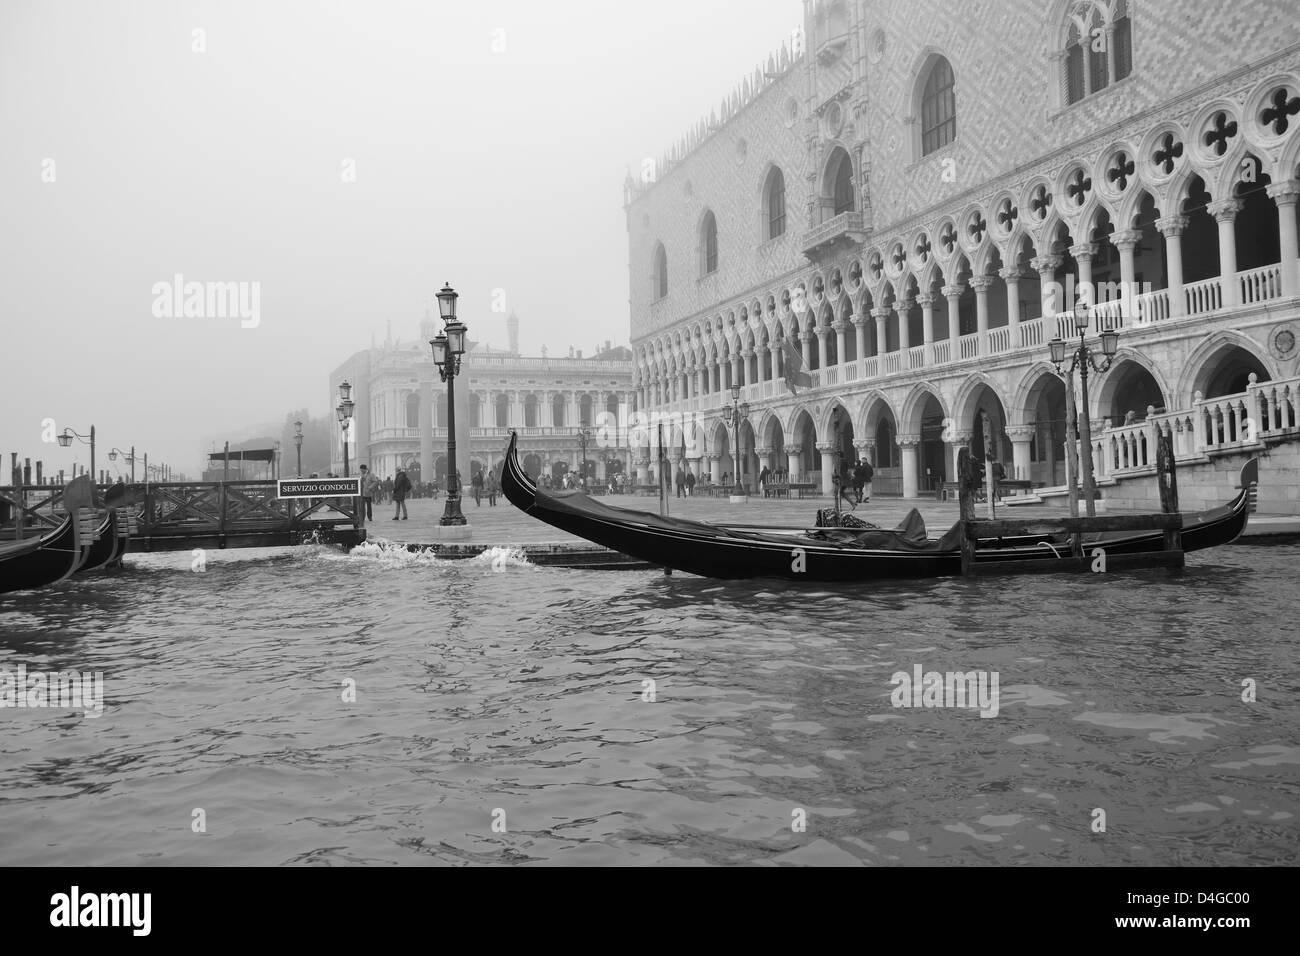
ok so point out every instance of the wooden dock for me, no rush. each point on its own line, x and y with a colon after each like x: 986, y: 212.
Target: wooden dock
x: 179, y: 516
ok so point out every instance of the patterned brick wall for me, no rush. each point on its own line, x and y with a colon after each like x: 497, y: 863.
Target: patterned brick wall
x: 1008, y: 81
x: 715, y: 177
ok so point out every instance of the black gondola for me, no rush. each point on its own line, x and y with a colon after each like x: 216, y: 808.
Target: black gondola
x: 833, y: 554
x: 47, y: 559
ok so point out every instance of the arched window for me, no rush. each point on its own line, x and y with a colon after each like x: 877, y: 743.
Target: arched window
x: 842, y: 191
x: 503, y: 410
x: 938, y: 108
x: 1098, y: 54
x: 530, y: 412
x: 413, y: 410
x: 708, y: 244
x: 557, y: 411
x: 774, y: 204
x: 659, y: 273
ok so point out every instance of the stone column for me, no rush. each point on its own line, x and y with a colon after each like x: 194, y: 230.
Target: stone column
x: 904, y: 328
x: 822, y: 357
x: 1225, y: 214
x: 735, y: 369
x: 828, y: 466
x: 464, y: 449
x: 1285, y: 195
x: 774, y: 352
x: 981, y: 285
x: 1126, y: 241
x: 953, y: 294
x: 426, y: 429
x: 792, y: 453
x: 1021, y: 436
x: 926, y: 302
x: 1012, y: 278
x: 882, y: 330
x: 1046, y: 267
x: 745, y: 357
x: 908, y: 446
x: 805, y: 341
x: 839, y: 325
x: 715, y: 468
x: 869, y: 450
x: 643, y: 470
x: 959, y: 441
x: 1172, y: 228
x: 860, y: 336
x: 1083, y: 253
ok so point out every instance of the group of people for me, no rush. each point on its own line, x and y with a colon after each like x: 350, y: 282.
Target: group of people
x: 685, y: 482
x: 490, y: 486
x: 396, y: 489
x: 855, y: 482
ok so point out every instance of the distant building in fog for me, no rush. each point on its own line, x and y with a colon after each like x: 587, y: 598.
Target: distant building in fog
x: 401, y: 405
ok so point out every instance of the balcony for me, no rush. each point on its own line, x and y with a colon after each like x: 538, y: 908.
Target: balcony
x: 845, y: 228
x: 1148, y: 311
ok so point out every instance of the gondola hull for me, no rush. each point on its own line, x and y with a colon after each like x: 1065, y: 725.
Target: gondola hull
x: 712, y: 551
x: 41, y: 561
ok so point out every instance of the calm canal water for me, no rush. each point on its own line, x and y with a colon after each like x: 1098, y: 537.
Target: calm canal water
x: 520, y: 690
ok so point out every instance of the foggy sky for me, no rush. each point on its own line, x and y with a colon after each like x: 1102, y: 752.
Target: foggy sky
x: 491, y: 170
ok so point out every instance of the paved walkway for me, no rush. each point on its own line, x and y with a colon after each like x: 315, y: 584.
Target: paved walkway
x: 506, y: 525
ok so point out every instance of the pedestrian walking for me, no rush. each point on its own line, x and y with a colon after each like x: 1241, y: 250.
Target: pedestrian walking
x: 493, y: 488
x: 401, y: 488
x: 679, y: 480
x: 867, y: 473
x: 477, y: 484
x: 368, y: 485
x: 690, y: 483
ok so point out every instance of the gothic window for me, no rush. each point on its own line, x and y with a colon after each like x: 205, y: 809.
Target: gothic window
x: 708, y: 244
x: 938, y: 108
x: 842, y: 184
x: 659, y: 274
x: 774, y: 204
x: 1098, y: 48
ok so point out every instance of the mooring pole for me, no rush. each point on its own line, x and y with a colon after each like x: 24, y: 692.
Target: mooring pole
x: 966, y: 504
x: 1072, y: 461
x: 990, y: 480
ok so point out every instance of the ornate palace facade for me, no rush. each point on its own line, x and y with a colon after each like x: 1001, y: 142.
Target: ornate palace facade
x: 401, y: 407
x: 914, y: 194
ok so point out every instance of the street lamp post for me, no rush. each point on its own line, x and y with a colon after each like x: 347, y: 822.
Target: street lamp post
x: 128, y: 457
x: 448, y: 346
x: 584, y: 436
x: 734, y: 414
x: 65, y: 439
x: 1085, y: 359
x: 275, y: 465
x: 297, y: 441
x: 344, y: 410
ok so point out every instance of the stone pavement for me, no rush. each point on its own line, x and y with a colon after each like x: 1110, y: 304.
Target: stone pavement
x: 507, y: 526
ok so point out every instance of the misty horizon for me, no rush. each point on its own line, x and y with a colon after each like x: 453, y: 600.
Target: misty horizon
x: 334, y: 165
